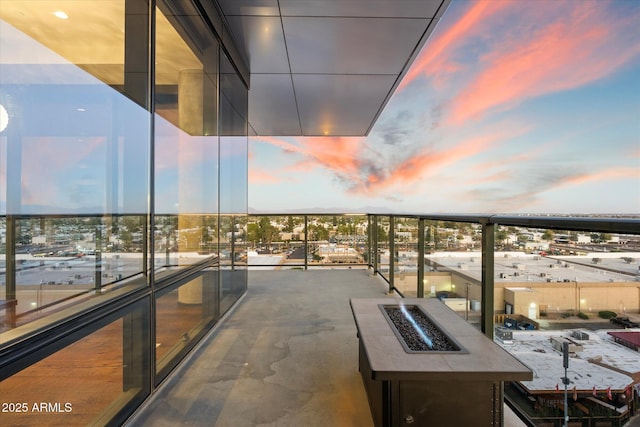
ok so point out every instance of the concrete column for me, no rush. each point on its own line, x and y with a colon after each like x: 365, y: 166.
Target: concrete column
x: 191, y: 293
x: 190, y: 101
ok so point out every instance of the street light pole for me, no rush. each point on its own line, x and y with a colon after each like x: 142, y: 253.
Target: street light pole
x: 565, y: 380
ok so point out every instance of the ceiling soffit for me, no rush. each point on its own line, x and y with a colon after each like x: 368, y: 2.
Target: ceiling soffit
x: 326, y: 67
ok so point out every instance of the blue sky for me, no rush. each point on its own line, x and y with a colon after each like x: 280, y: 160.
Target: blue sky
x: 512, y: 107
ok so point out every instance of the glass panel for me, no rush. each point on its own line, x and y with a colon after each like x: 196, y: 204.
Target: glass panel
x: 406, y: 253
x: 453, y: 266
x: 74, y: 167
x: 337, y: 239
x: 92, y: 381
x: 186, y: 142
x: 556, y: 279
x: 182, y: 316
x: 275, y: 241
x: 384, y: 224
x: 233, y: 184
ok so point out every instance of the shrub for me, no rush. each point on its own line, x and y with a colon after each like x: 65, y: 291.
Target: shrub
x: 583, y: 315
x: 606, y: 314
x: 565, y: 315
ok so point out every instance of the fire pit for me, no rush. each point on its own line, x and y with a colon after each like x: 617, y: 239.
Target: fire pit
x: 416, y: 331
x: 456, y: 380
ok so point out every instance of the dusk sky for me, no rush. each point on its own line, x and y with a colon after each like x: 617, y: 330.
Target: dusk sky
x: 513, y: 107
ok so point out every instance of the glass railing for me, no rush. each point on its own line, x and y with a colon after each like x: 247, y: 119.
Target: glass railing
x: 280, y: 241
x: 475, y: 264
x: 56, y: 262
x: 506, y: 275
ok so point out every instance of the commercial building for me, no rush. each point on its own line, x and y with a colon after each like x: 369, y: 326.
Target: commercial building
x: 535, y: 285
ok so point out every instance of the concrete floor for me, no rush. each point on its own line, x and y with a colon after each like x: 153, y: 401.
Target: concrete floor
x: 287, y: 355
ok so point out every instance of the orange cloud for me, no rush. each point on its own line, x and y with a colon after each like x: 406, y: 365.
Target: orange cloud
x: 338, y: 154
x: 561, y: 55
x: 426, y: 163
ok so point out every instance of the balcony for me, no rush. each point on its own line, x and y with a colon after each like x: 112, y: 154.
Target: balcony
x: 287, y: 355
x: 286, y: 352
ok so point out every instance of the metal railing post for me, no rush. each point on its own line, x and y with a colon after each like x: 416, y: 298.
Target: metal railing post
x: 375, y: 244
x: 488, y: 278
x: 306, y: 242
x: 392, y: 251
x: 421, y: 258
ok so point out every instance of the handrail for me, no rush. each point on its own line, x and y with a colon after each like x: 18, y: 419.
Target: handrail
x: 622, y: 224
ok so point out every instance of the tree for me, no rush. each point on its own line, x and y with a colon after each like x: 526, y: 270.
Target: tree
x: 501, y: 235
x: 548, y: 235
x: 318, y: 232
x: 289, y: 226
x: 262, y: 231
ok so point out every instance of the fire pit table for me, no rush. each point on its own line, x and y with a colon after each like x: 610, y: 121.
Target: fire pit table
x: 423, y: 365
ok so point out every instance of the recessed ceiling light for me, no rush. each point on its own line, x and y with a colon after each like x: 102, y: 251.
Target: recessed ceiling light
x: 60, y: 14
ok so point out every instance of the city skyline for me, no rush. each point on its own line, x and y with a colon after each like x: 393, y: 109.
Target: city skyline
x: 511, y: 107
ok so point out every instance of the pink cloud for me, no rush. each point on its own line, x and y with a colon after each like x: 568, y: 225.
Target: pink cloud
x: 426, y: 163
x: 603, y: 175
x: 580, y: 46
x: 48, y: 158
x: 436, y: 57
x: 262, y: 177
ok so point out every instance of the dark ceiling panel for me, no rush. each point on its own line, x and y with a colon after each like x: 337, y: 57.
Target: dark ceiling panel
x: 272, y: 105
x: 339, y: 104
x: 345, y: 58
x: 368, y: 8
x: 250, y: 7
x: 262, y: 39
x: 351, y: 45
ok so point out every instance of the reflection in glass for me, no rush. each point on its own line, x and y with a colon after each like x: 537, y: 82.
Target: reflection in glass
x: 186, y: 143
x: 406, y: 256
x: 453, y: 265
x: 233, y: 185
x: 384, y: 258
x: 74, y: 173
x: 182, y: 316
x: 89, y: 381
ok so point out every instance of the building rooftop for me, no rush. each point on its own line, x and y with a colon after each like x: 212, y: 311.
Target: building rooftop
x: 535, y: 349
x: 518, y: 267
